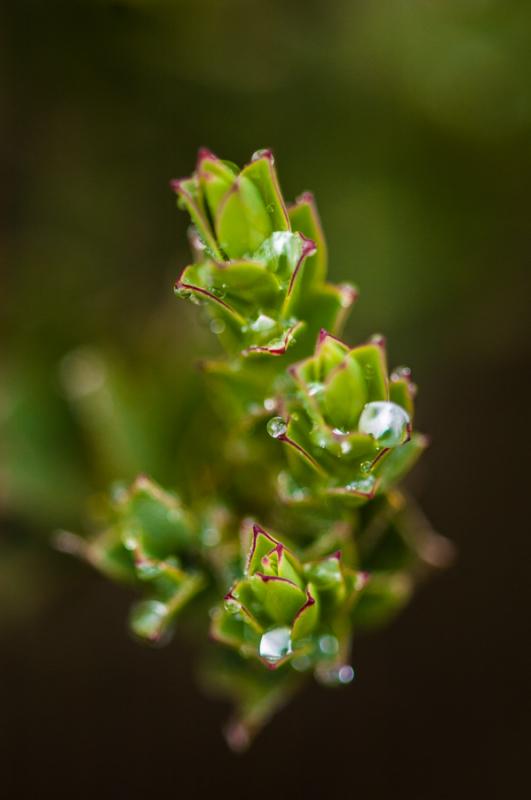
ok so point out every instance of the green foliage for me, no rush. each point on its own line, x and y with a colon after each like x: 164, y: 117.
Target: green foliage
x: 312, y: 440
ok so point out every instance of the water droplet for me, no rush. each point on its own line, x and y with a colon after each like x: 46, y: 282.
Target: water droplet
x: 328, y: 645
x: 315, y: 388
x: 130, y: 540
x: 336, y: 675
x: 147, y: 569
x: 347, y: 295
x: 262, y: 323
x: 182, y: 292
x: 365, y: 467
x: 345, y: 674
x: 363, y: 485
x: 270, y: 404
x: 275, y: 644
x: 386, y: 422
x: 147, y: 619
x: 231, y: 605
x: 217, y: 326
x: 276, y: 427
x: 261, y: 153
x: 346, y: 447
x: 401, y: 373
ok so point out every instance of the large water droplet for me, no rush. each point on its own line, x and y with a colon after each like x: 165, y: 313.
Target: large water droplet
x: 275, y: 644
x: 276, y: 427
x: 386, y: 422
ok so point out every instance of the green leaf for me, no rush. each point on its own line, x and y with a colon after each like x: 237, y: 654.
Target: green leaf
x: 307, y: 617
x: 305, y: 219
x: 344, y: 395
x: 215, y: 179
x: 241, y: 221
x: 261, y: 171
x: 371, y: 358
x: 280, y: 598
x: 187, y: 190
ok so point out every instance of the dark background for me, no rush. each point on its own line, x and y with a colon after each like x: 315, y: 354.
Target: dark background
x: 411, y: 121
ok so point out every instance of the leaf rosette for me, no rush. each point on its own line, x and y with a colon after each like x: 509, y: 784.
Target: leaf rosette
x: 347, y: 425
x: 282, y: 610
x: 259, y: 266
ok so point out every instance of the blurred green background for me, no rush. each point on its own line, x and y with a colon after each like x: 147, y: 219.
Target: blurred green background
x: 411, y: 122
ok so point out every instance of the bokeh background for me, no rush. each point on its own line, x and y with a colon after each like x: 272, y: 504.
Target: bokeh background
x: 411, y: 121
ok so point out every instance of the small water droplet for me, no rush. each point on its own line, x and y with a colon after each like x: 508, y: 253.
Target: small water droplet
x: 328, y: 645
x: 315, y: 388
x: 401, y: 373
x: 182, y: 292
x: 270, y: 404
x: 336, y: 675
x: 147, y: 619
x: 365, y: 467
x: 261, y: 153
x: 147, y: 569
x: 345, y: 447
x: 345, y: 674
x: 231, y: 605
x: 275, y: 644
x: 130, y: 540
x: 276, y: 427
x: 386, y: 422
x: 363, y: 485
x: 262, y: 323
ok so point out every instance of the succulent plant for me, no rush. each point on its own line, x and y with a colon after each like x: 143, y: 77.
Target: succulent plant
x: 313, y: 439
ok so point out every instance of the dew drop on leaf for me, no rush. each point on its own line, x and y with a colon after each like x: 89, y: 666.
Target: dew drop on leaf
x: 276, y: 427
x: 275, y: 644
x: 386, y: 422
